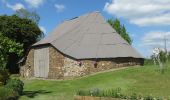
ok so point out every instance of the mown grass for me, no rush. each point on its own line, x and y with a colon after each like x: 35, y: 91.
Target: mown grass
x: 144, y: 80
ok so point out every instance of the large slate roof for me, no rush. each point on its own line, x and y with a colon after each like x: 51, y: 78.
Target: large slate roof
x: 89, y: 36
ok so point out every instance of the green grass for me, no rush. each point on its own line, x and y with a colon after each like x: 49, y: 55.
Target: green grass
x: 146, y: 80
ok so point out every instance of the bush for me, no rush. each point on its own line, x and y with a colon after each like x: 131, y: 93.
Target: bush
x: 135, y: 96
x: 8, y: 94
x: 163, y: 56
x: 95, y: 92
x: 115, y: 93
x: 4, y: 76
x: 148, y: 62
x: 149, y: 97
x: 16, y: 85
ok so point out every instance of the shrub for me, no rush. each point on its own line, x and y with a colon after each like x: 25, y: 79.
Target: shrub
x: 115, y: 93
x: 134, y: 96
x: 8, y: 94
x: 83, y: 93
x: 148, y: 62
x: 4, y: 76
x: 159, y: 98
x: 149, y: 97
x: 16, y: 85
x: 95, y: 92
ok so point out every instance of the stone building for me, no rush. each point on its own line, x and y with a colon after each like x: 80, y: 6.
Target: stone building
x: 77, y: 47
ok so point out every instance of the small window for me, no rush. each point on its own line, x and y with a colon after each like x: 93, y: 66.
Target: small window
x: 79, y: 63
x: 95, y: 64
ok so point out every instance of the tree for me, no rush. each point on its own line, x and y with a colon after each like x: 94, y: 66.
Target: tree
x: 33, y: 16
x: 8, y: 46
x: 120, y: 29
x: 22, y: 13
x: 18, y: 30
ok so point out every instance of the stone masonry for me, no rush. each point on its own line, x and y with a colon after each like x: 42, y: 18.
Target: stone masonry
x: 64, y: 67
x: 27, y: 70
x: 56, y: 62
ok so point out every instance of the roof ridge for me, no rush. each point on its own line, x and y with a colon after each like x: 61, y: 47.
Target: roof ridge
x: 81, y: 36
x: 81, y: 15
x: 76, y: 39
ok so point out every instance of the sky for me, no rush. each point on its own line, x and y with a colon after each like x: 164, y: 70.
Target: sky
x: 147, y: 21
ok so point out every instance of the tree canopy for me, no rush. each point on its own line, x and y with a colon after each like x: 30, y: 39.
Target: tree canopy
x: 20, y: 30
x: 8, y: 46
x: 120, y: 29
x: 18, y: 33
x: 22, y: 13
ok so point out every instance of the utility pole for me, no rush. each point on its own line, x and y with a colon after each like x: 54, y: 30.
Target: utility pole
x: 165, y: 42
x: 166, y: 51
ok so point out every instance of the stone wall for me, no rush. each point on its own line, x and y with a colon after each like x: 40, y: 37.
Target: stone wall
x: 27, y: 70
x: 56, y: 62
x: 72, y: 68
x: 63, y: 67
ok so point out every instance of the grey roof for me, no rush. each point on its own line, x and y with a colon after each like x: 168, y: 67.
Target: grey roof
x: 89, y: 36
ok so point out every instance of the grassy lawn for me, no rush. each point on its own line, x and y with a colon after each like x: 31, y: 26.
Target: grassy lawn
x: 146, y: 80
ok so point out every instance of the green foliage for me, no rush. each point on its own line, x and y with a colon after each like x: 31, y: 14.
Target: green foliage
x: 11, y: 88
x: 4, y: 76
x: 163, y: 56
x: 168, y: 55
x: 114, y: 93
x: 163, y: 60
x: 149, y: 97
x: 148, y: 62
x: 134, y: 96
x: 16, y: 85
x: 120, y: 29
x: 33, y: 16
x: 8, y: 46
x: 18, y: 33
x: 22, y: 13
x: 20, y: 30
x: 8, y: 94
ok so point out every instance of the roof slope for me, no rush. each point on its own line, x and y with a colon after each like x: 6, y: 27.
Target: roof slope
x: 89, y: 36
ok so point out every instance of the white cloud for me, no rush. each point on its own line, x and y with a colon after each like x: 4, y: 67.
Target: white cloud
x: 156, y: 39
x: 35, y: 3
x: 141, y: 12
x: 59, y: 7
x: 43, y: 29
x: 16, y: 6
x: 163, y: 19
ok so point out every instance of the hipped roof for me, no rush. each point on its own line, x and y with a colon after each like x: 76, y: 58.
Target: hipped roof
x: 89, y: 36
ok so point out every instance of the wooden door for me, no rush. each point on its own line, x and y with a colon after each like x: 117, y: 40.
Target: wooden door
x: 41, y: 62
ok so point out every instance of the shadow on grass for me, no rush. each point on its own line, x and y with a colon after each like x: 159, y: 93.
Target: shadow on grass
x: 32, y: 94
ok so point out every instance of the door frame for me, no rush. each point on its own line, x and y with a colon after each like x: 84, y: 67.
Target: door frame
x: 41, y: 53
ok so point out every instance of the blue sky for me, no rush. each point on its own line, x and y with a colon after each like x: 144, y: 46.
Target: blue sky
x: 147, y: 21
